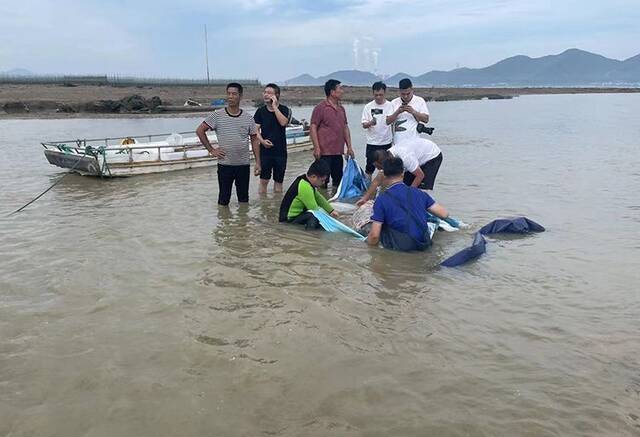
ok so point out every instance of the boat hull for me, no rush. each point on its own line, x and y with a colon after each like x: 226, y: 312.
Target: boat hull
x: 85, y: 165
x: 94, y: 166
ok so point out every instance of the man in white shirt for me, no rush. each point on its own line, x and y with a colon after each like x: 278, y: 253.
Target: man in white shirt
x: 378, y: 132
x: 408, y: 111
x: 420, y: 166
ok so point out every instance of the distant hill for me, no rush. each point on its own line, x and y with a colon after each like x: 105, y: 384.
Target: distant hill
x: 629, y: 70
x: 17, y: 72
x: 303, y: 80
x: 393, y: 80
x: 347, y: 77
x: 572, y: 67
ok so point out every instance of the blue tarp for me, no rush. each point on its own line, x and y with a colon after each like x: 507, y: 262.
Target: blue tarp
x: 518, y: 225
x: 354, y: 182
x: 330, y: 224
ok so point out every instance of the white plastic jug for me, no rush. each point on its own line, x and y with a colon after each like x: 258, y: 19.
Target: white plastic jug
x: 174, y: 139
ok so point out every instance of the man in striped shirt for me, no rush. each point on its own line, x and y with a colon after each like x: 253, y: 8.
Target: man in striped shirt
x: 235, y: 130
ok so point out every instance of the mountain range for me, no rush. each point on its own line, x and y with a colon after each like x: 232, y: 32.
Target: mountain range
x: 572, y: 67
x: 17, y: 72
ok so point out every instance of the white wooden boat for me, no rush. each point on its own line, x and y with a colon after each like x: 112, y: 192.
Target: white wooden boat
x: 136, y: 155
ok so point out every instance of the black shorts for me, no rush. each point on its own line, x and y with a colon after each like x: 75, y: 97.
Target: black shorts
x: 308, y: 220
x: 430, y: 170
x: 371, y: 150
x: 335, y: 163
x: 275, y: 163
x: 227, y: 176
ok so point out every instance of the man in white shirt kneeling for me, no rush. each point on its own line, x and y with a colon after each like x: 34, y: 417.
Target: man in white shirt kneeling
x: 421, y: 161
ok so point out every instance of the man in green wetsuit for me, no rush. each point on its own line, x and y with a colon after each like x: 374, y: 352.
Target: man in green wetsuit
x: 302, y: 197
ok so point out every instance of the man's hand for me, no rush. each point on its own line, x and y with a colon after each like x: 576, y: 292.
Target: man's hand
x: 267, y: 143
x: 274, y: 101
x: 316, y: 152
x: 334, y: 214
x: 256, y: 170
x: 406, y: 108
x: 362, y: 201
x: 350, y: 152
x: 217, y: 153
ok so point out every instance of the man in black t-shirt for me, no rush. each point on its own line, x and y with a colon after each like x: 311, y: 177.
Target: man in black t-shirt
x: 272, y: 120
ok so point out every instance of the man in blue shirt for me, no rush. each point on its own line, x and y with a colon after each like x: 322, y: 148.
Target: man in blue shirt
x: 399, y: 214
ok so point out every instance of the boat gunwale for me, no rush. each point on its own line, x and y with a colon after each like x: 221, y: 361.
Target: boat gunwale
x: 84, y: 141
x: 298, y: 147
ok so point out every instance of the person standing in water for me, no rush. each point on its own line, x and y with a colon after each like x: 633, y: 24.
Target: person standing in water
x: 330, y: 131
x: 379, y: 133
x: 410, y: 111
x: 236, y: 131
x: 271, y: 123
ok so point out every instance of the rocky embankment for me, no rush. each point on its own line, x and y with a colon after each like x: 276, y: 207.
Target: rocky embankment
x: 130, y: 104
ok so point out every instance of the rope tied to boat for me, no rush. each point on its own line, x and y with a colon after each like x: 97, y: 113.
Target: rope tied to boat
x: 94, y: 152
x: 50, y: 187
x: 65, y: 149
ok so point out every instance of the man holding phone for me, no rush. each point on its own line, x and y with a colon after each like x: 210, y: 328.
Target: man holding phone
x: 379, y: 133
x: 409, y: 111
x: 271, y: 122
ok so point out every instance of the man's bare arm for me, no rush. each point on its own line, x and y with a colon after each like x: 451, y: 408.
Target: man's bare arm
x: 375, y: 183
x: 201, y: 132
x: 347, y: 136
x: 418, y: 177
x: 438, y: 210
x: 420, y: 117
x: 314, y: 140
x: 374, y: 234
x: 255, y: 146
x: 393, y: 117
x: 282, y: 119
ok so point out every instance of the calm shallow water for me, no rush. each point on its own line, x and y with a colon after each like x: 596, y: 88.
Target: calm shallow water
x: 137, y: 307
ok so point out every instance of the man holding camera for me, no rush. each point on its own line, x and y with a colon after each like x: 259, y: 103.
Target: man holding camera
x: 410, y: 111
x: 271, y: 122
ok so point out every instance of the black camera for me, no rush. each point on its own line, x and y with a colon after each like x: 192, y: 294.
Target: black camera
x: 424, y: 129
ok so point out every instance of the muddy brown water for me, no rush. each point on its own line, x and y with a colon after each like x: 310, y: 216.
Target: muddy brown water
x: 136, y: 306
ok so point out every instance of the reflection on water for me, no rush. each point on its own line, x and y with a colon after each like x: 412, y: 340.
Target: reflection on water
x: 138, y: 306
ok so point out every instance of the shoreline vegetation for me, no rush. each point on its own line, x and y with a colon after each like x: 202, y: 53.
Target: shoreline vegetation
x: 99, y: 101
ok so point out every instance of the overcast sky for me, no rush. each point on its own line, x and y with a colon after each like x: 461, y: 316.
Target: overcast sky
x: 279, y: 39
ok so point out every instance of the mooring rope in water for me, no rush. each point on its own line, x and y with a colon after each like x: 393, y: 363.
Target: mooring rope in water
x: 88, y: 150
x: 50, y: 187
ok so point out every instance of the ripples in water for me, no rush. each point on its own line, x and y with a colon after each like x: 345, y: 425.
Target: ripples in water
x: 137, y: 306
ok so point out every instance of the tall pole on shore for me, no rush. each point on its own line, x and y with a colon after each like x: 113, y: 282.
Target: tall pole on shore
x: 206, y: 52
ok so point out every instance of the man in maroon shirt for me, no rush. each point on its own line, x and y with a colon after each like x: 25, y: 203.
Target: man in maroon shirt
x: 330, y: 131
